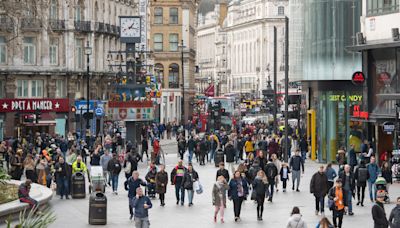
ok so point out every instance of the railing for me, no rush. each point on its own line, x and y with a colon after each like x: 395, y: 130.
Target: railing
x: 6, y: 24
x: 99, y: 27
x: 82, y: 26
x: 173, y: 85
x: 31, y: 24
x: 57, y: 25
x: 108, y: 29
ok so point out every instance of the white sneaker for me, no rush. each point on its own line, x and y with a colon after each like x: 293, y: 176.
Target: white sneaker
x: 316, y: 212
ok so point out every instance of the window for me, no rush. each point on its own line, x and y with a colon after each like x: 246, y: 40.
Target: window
x: 2, y: 86
x: 60, y: 88
x: 53, y: 10
x: 173, y: 42
x: 173, y: 76
x: 53, y: 51
x: 377, y: 7
x: 158, y: 42
x: 281, y: 10
x: 36, y: 88
x: 79, y: 11
x: 3, y: 50
x: 29, y: 50
x: 173, y: 15
x: 22, y: 88
x: 79, y: 53
x: 158, y: 15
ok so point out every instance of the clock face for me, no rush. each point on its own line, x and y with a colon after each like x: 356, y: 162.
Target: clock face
x: 130, y: 27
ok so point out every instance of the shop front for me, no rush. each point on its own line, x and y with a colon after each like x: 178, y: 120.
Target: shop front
x: 330, y: 119
x: 22, y: 117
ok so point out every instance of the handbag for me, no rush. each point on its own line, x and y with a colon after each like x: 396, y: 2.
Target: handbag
x: 198, y: 187
x: 331, y: 204
x: 253, y: 195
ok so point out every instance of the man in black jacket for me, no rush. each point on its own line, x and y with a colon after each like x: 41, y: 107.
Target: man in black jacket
x: 114, y: 167
x: 378, y: 211
x: 63, y: 174
x: 394, y: 217
x: 296, y: 162
x: 271, y: 172
x: 222, y: 172
x: 319, y: 187
x: 348, y: 186
x: 230, y: 156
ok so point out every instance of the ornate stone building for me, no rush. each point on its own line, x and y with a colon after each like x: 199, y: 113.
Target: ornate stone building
x: 42, y: 57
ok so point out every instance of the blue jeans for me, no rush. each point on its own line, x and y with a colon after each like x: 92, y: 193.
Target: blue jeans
x: 179, y: 190
x: 190, y: 156
x: 63, y: 185
x: 190, y: 196
x: 212, y: 154
x: 349, y: 198
x: 372, y: 191
x: 114, y: 179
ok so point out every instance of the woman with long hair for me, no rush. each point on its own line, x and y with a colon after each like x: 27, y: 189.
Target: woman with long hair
x: 238, y: 191
x: 295, y: 220
x: 324, y: 223
x: 219, y: 197
x: 260, y: 186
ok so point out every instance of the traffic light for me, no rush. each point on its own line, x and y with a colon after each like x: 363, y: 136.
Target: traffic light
x: 38, y: 115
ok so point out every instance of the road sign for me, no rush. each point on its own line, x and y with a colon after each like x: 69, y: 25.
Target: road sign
x: 99, y: 111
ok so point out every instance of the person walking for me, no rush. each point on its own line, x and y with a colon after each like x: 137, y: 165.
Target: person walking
x: 278, y: 165
x: 230, y: 154
x: 295, y: 220
x: 238, y: 191
x: 271, y: 171
x: 141, y: 204
x: 260, y: 186
x: 219, y: 197
x: 303, y: 145
x: 79, y: 166
x: 222, y: 172
x: 189, y: 178
x: 181, y: 146
x: 338, y: 203
x: 319, y: 187
x: 373, y: 173
x: 394, y: 217
x: 352, y: 158
x: 104, y: 159
x: 284, y: 175
x: 29, y: 165
x: 361, y: 177
x: 177, y: 179
x: 295, y: 164
x: 191, y: 145
x: 387, y: 174
x: 63, y: 175
x: 249, y: 147
x: 131, y: 185
x: 161, y: 184
x: 348, y: 185
x: 378, y: 211
x: 331, y: 174
x: 145, y: 149
x: 114, y: 167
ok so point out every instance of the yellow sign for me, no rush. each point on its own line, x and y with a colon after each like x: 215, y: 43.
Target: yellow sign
x: 345, y: 98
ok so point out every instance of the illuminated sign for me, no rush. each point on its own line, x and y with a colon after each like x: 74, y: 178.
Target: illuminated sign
x: 358, y: 78
x: 359, y: 114
x: 353, y: 98
x: 388, y: 127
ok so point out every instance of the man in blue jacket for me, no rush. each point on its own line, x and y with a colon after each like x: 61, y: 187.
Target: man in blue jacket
x: 373, y: 173
x: 142, y: 204
x: 131, y: 185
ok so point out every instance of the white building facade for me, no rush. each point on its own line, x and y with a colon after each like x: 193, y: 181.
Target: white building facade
x: 249, y: 31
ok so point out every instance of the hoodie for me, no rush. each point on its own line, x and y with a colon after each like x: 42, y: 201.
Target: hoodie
x: 295, y: 221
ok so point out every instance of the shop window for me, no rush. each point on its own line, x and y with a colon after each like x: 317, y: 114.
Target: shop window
x: 60, y: 88
x: 378, y: 7
x: 158, y: 15
x: 173, y: 15
x: 29, y: 50
x: 173, y: 76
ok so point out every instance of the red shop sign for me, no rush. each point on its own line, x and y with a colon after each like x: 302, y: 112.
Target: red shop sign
x: 359, y: 114
x: 358, y: 78
x: 31, y: 105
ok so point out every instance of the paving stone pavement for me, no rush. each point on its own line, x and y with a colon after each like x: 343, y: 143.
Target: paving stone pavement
x: 75, y: 212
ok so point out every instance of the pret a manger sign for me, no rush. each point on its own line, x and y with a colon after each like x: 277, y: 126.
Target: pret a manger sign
x: 31, y: 105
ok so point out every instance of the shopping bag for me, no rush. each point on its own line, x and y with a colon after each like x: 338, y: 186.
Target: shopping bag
x: 198, y: 187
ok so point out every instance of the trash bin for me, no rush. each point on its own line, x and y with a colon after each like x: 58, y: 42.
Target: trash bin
x: 219, y: 157
x: 98, y: 209
x: 78, y: 190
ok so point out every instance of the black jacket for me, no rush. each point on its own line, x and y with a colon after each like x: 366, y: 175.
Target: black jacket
x: 223, y: 173
x: 296, y: 162
x: 230, y: 153
x: 319, y: 184
x: 114, y: 166
x: 379, y: 216
x: 344, y: 178
x: 189, y: 178
x: 361, y: 175
x: 394, y: 217
x: 260, y: 187
x: 271, y: 172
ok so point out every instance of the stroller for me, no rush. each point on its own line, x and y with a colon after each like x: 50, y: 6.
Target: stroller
x: 381, y: 186
x: 97, y: 182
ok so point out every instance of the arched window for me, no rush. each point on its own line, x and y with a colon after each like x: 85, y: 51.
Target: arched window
x: 173, y: 76
x: 159, y: 69
x: 281, y: 10
x: 53, y: 10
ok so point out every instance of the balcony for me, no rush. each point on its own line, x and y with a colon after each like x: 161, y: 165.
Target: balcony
x: 108, y: 29
x: 99, y: 27
x: 31, y: 24
x: 57, y: 25
x: 114, y: 30
x: 173, y: 85
x: 82, y: 26
x: 6, y: 24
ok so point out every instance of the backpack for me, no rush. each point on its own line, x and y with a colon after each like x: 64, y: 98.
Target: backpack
x: 362, y: 174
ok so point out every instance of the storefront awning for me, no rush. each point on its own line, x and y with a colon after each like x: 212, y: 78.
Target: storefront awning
x: 387, y: 43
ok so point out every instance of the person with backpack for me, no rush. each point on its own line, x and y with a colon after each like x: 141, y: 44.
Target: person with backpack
x: 361, y: 176
x: 271, y: 172
x: 319, y: 187
x: 114, y: 167
x: 131, y: 185
x: 295, y: 220
x: 230, y: 156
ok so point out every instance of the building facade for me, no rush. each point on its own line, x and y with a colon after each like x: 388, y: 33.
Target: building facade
x: 171, y: 24
x: 211, y: 51
x: 330, y: 26
x: 250, y: 44
x: 43, y: 57
x: 379, y: 45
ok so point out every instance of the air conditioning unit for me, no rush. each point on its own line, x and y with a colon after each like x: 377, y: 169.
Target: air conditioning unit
x: 360, y: 38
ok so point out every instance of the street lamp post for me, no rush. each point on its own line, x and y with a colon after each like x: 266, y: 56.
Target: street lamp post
x: 88, y: 52
x: 183, y: 89
x: 286, y: 88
